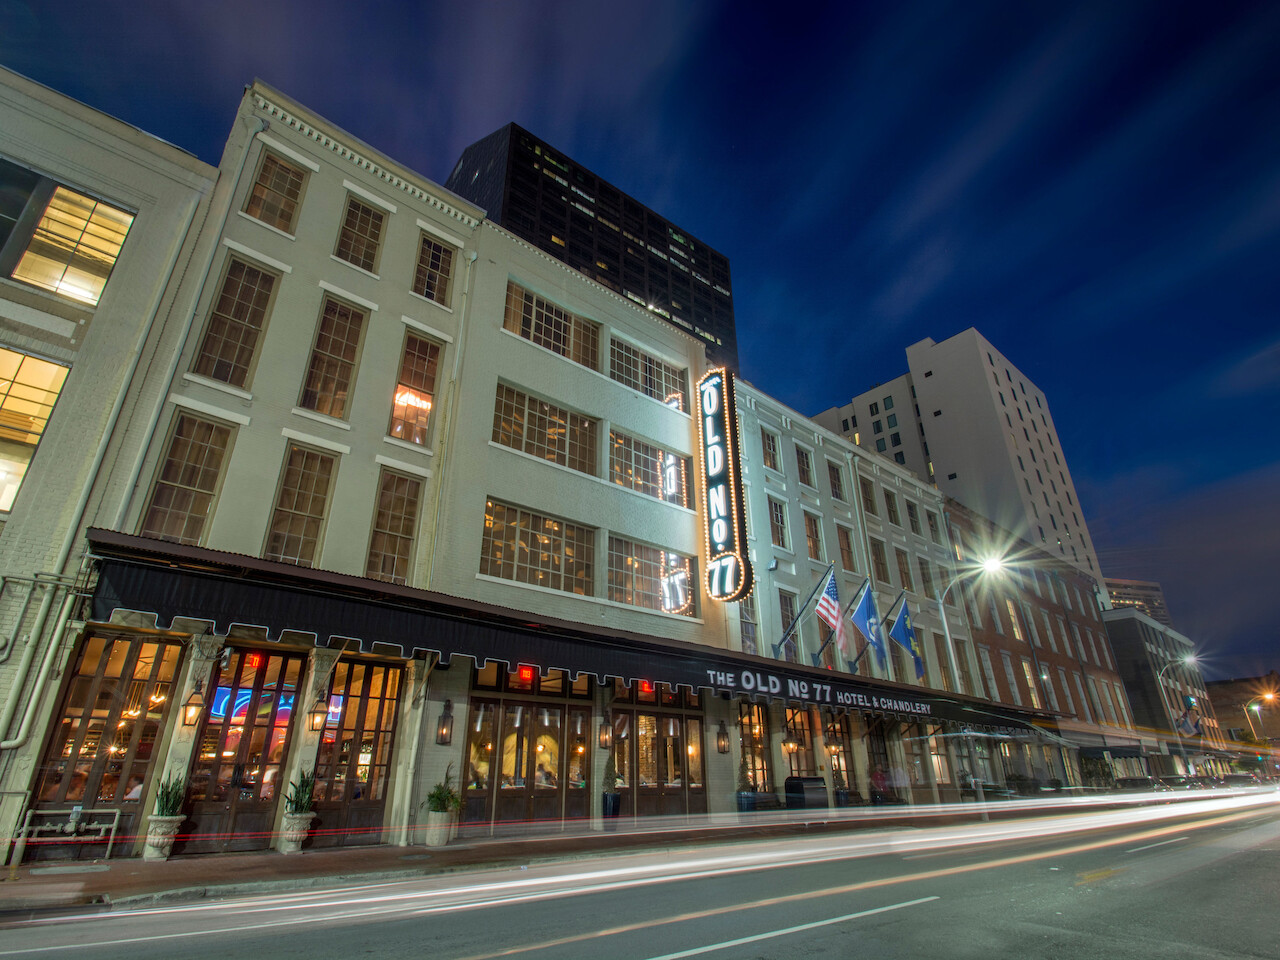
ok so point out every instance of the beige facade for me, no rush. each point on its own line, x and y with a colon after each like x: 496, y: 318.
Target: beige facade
x: 99, y: 218
x: 398, y: 497
x: 967, y: 419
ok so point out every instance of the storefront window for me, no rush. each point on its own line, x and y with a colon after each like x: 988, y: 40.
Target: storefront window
x: 941, y: 758
x: 753, y: 730
x: 800, y: 762
x: 355, y: 747
x: 480, y: 745
x: 113, y: 713
x: 694, y: 751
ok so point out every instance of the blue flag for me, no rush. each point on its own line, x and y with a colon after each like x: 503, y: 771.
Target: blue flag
x: 905, y: 636
x: 863, y: 615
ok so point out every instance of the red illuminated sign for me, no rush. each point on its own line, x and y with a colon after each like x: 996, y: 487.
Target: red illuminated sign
x: 253, y: 660
x: 525, y: 674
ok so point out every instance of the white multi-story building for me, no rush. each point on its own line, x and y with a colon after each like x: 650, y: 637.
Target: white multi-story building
x: 967, y: 419
x: 96, y: 218
x: 399, y: 497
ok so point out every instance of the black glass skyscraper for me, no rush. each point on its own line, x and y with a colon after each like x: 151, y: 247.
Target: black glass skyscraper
x: 564, y: 209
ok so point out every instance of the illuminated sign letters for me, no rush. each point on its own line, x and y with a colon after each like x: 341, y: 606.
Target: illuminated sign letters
x: 728, y: 568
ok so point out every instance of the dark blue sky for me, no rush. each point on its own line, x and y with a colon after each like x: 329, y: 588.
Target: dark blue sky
x: 1094, y: 186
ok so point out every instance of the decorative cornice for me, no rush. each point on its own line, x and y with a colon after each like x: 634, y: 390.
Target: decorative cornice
x: 359, y: 160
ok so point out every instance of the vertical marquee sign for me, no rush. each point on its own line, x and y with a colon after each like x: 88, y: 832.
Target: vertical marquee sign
x: 728, y: 566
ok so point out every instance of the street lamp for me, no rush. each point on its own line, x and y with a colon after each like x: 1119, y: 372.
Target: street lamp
x: 991, y: 565
x: 1189, y: 660
x: 1256, y: 707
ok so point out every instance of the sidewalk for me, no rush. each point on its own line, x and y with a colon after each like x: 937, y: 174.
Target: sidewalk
x: 70, y: 886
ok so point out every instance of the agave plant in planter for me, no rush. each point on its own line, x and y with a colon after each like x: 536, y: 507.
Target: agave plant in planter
x: 162, y: 826
x: 298, y: 801
x: 443, y: 804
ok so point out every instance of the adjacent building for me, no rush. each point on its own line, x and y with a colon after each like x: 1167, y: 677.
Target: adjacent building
x: 545, y: 197
x: 1248, y: 707
x: 96, y: 219
x: 1167, y: 693
x: 964, y: 417
x: 1146, y: 596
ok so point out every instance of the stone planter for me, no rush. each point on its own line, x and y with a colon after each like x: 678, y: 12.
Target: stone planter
x: 440, y: 827
x: 160, y: 835
x: 294, y: 830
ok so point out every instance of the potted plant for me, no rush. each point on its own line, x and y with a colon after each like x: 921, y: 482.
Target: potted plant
x: 162, y: 826
x: 746, y: 789
x: 611, y: 798
x: 298, y: 801
x: 443, y: 803
x: 839, y: 787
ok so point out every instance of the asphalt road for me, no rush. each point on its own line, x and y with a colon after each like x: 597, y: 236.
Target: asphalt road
x: 1188, y: 880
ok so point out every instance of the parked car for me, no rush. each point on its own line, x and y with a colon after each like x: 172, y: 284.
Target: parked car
x: 1179, y: 783
x: 1241, y: 780
x: 1147, y: 784
x: 1206, y: 783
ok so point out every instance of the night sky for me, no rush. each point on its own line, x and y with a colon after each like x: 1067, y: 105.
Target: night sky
x: 1094, y: 186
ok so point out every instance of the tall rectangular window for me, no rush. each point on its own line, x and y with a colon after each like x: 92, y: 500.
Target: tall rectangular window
x: 926, y: 579
x: 813, y: 536
x: 296, y: 525
x: 880, y: 561
x: 651, y: 577
x: 962, y: 664
x: 778, y: 523
x: 276, y: 193
x: 555, y: 328
x: 1011, y: 677
x: 360, y: 235
x: 844, y: 537
x: 913, y: 518
x: 944, y: 662
x: 235, y: 324
x: 643, y: 467
x: 934, y: 533
x: 836, y: 476
x: 1029, y: 673
x: 891, y: 509
x: 787, y: 610
x: 395, y: 523
x: 904, y: 569
x: 988, y: 674
x: 1048, y: 629
x: 415, y: 391
x: 1066, y: 691
x: 29, y: 387
x: 1013, y: 620
x: 868, y: 496
x: 544, y: 551
x: 769, y: 444
x: 747, y: 624
x: 654, y: 378
x: 333, y: 359
x: 183, y: 496
x: 544, y: 430
x: 804, y: 466
x: 435, y: 267
x: 75, y: 245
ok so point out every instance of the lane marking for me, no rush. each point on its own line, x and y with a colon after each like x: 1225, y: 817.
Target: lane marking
x: 402, y: 909
x: 1160, y: 844
x: 1095, y: 875
x: 772, y: 934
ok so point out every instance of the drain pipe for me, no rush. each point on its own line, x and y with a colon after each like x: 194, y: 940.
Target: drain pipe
x: 131, y: 485
x: 24, y: 731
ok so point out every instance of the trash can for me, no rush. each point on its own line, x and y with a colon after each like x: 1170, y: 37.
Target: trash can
x: 805, y: 792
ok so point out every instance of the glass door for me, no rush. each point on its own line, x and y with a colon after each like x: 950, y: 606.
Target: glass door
x: 529, y: 763
x: 354, y: 761
x: 243, y: 741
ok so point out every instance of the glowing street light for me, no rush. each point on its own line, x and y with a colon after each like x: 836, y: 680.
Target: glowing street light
x: 1256, y: 706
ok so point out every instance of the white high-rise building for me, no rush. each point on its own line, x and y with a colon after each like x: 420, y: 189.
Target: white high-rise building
x: 967, y: 419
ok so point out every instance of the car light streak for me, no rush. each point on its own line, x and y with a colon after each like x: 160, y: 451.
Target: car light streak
x: 1149, y: 846
x: 382, y: 900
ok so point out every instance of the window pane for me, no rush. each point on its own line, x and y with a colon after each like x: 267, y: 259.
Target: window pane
x: 333, y: 360
x: 28, y: 389
x: 74, y: 247
x: 234, y: 325
x: 188, y: 479
x: 300, y: 510
x: 395, y: 522
x: 435, y: 264
x: 415, y: 392
x: 274, y: 198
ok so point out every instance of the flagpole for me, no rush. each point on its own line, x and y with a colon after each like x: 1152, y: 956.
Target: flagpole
x: 777, y: 647
x: 817, y: 657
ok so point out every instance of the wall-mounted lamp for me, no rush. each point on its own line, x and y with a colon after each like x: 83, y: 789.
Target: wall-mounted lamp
x: 722, y: 739
x: 194, y: 706
x: 444, y: 729
x: 790, y: 743
x: 318, y: 715
x: 606, y: 734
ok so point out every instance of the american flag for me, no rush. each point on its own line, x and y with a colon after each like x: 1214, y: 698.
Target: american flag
x: 829, y: 610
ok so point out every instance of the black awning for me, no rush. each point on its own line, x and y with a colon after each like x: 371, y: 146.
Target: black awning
x: 1117, y: 751
x: 224, y: 593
